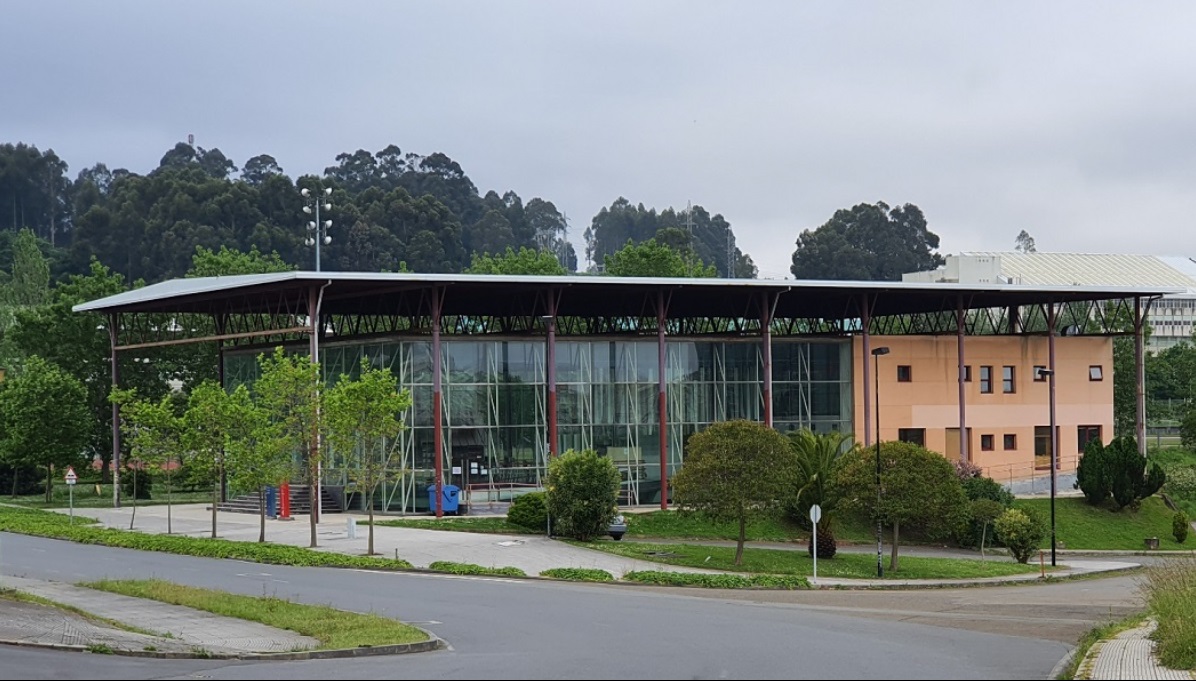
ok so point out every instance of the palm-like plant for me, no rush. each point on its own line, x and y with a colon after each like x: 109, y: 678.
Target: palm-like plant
x: 817, y: 456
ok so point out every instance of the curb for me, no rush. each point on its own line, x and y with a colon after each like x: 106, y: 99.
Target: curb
x: 433, y: 643
x: 1063, y: 663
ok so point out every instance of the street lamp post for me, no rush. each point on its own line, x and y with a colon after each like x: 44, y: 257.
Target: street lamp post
x: 876, y: 354
x: 318, y: 229
x: 1050, y: 374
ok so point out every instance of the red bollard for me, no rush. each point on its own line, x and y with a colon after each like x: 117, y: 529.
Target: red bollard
x: 284, y: 502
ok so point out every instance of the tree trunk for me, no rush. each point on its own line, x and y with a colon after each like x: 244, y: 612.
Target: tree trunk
x: 893, y: 555
x: 215, y: 500
x: 15, y: 472
x: 369, y: 501
x: 261, y: 503
x: 313, y: 494
x: 169, y: 504
x: 742, y: 539
x: 134, y: 495
x: 49, y: 484
x: 983, y: 535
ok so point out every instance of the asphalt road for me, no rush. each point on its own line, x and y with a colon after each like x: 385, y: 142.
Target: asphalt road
x: 500, y: 628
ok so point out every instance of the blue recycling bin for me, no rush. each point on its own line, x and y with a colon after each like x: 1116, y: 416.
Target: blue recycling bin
x: 450, y: 498
x: 271, y: 502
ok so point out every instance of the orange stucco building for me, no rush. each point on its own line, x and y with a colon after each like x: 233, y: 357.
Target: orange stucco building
x: 1006, y: 406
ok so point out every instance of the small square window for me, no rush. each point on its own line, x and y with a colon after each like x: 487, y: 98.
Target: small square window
x: 905, y: 373
x: 915, y: 436
x: 1010, y: 441
x: 986, y: 443
x: 1039, y: 377
x: 1096, y: 373
x: 1008, y: 384
x: 967, y: 373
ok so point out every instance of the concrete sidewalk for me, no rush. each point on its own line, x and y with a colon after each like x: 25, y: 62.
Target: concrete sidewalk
x: 170, y: 630
x: 1129, y: 655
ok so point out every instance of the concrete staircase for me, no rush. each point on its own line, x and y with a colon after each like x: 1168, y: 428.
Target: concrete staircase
x: 300, y: 502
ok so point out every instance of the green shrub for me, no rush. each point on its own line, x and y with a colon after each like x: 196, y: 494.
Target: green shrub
x: 1022, y: 531
x: 472, y: 569
x: 583, y: 491
x: 1092, y: 473
x: 717, y: 581
x: 1119, y: 471
x: 144, y: 482
x: 528, y: 510
x: 979, y: 488
x: 1181, y: 482
x: 578, y: 574
x: 1180, y: 525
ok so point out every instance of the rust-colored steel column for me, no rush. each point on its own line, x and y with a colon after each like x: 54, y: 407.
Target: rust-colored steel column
x: 766, y: 333
x: 661, y: 401
x: 313, y: 353
x: 437, y: 427
x: 964, y: 454
x: 1139, y: 376
x: 113, y: 321
x: 866, y: 366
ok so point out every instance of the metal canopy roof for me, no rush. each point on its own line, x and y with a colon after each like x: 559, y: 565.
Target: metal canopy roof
x: 368, y: 293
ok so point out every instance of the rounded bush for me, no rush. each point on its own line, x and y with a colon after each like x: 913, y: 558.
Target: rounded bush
x: 1021, y: 532
x: 583, y: 489
x: 529, y: 510
x: 1180, y: 525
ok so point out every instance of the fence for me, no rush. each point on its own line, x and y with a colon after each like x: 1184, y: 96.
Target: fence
x: 1026, y: 477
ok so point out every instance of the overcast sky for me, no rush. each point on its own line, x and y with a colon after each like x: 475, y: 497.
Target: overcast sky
x: 1075, y: 121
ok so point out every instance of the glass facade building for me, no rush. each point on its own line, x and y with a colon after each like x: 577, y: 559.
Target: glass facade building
x: 494, y: 406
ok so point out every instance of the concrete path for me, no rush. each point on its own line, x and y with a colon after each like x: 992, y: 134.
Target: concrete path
x: 1129, y: 655
x: 530, y: 553
x: 171, y: 628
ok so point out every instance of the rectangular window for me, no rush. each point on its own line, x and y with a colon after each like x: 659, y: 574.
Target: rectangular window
x: 1086, y: 434
x: 1042, y: 447
x: 905, y: 373
x: 915, y: 436
x: 1096, y: 373
x: 986, y: 443
x: 986, y: 379
x: 1008, y: 384
x: 967, y: 373
x: 1038, y: 375
x: 1010, y: 442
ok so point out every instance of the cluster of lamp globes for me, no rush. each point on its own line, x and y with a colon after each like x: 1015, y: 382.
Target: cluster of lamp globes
x: 313, y: 226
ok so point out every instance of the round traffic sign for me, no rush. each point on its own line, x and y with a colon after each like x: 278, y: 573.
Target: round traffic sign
x: 815, y: 514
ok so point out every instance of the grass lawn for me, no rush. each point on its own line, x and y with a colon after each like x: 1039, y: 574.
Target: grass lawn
x: 1171, y: 592
x: 334, y: 628
x: 1079, y: 525
x: 784, y: 562
x: 86, y: 497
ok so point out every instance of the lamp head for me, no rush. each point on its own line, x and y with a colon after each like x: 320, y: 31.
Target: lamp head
x: 877, y: 352
x: 328, y: 206
x: 327, y: 239
x: 305, y: 191
x: 327, y: 224
x: 1043, y: 373
x: 327, y: 191
x: 307, y: 209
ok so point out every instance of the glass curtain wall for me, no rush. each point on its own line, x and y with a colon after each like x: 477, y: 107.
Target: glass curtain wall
x: 495, y: 433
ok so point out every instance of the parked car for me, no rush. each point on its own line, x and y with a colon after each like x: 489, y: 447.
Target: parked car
x: 618, y: 527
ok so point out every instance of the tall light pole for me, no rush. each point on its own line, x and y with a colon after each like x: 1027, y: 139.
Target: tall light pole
x: 1050, y: 374
x: 876, y: 354
x: 318, y: 230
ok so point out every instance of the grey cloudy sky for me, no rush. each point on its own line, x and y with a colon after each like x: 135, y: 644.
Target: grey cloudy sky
x: 1075, y: 121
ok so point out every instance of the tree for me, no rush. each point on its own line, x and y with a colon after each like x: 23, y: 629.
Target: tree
x: 259, y: 168
x: 817, y: 458
x: 1021, y: 531
x: 289, y: 391
x: 919, y: 489
x: 1024, y: 243
x: 1117, y: 471
x: 985, y: 512
x: 154, y: 433
x: 867, y: 242
x: 525, y: 261
x: 29, y: 284
x: 228, y: 262
x: 209, y: 425
x: 651, y: 259
x: 583, y: 491
x: 364, y: 419
x: 254, y: 453
x: 736, y: 470
x: 43, y: 418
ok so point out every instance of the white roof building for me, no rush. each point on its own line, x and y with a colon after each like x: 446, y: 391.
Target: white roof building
x: 1172, y: 319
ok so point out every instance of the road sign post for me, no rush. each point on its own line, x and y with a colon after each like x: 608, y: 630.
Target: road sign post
x: 71, y: 479
x: 815, y: 516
